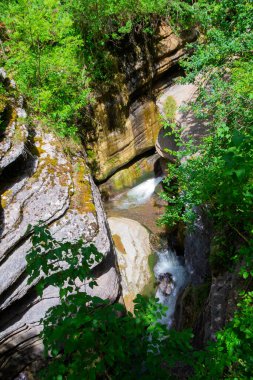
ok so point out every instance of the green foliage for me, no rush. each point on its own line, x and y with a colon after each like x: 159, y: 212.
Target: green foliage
x: 227, y: 34
x: 216, y: 173
x: 57, y: 50
x: 2, y: 89
x: 170, y: 108
x: 44, y: 58
x: 230, y: 356
x: 59, y: 264
x: 86, y: 336
x: 103, y: 23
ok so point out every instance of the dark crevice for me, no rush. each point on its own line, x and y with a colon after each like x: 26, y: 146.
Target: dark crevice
x: 9, y: 316
x: 23, y: 167
x: 5, y: 118
x: 148, y: 152
x: 8, y: 293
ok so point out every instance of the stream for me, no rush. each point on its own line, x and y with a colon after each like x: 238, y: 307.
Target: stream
x: 172, y: 277
x: 138, y: 195
x: 140, y: 203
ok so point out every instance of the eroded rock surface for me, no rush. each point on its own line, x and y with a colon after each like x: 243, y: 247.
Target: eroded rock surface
x: 117, y: 146
x: 131, y: 175
x: 133, y: 248
x: 127, y: 118
x: 182, y: 94
x: 221, y: 303
x: 39, y: 182
x: 13, y: 132
x: 197, y: 249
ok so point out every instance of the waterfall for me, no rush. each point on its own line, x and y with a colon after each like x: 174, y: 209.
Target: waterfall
x: 138, y: 195
x: 170, y: 273
x: 169, y: 270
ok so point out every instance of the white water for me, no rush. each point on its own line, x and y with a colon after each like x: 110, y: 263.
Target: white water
x: 138, y: 195
x: 168, y: 262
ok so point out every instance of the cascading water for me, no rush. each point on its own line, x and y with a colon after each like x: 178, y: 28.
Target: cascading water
x: 172, y: 277
x: 137, y: 195
x: 169, y: 270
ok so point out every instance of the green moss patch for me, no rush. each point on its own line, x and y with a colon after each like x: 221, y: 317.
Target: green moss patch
x: 149, y: 289
x: 170, y: 108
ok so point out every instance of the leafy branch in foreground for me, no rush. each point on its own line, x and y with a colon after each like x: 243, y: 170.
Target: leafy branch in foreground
x: 86, y: 336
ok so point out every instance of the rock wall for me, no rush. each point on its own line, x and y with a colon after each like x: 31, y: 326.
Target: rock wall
x: 40, y: 182
x: 209, y: 300
x: 126, y: 118
x: 130, y: 175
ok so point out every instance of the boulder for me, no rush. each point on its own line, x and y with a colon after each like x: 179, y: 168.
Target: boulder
x: 165, y: 283
x: 181, y: 94
x: 133, y: 249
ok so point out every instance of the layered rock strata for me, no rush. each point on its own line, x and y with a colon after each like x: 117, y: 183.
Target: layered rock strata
x: 39, y: 182
x: 126, y: 118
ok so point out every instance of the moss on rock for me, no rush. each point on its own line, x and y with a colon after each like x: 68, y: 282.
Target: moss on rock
x: 170, y: 108
x: 82, y: 199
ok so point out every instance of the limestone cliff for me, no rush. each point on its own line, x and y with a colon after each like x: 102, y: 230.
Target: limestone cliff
x: 40, y: 182
x: 125, y: 117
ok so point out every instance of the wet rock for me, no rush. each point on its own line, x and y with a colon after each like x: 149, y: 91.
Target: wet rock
x: 129, y: 176
x: 157, y: 199
x: 166, y: 283
x: 197, y: 249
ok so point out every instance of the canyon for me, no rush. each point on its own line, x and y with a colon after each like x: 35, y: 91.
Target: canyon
x: 43, y: 181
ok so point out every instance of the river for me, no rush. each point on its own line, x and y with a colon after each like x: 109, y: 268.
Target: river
x: 141, y: 203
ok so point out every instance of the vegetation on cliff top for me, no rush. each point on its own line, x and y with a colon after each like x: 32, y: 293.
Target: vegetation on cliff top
x: 85, y: 336
x: 57, y: 51
x: 215, y: 175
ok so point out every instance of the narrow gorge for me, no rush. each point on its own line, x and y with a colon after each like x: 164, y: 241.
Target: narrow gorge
x: 41, y: 182
x: 106, y: 189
